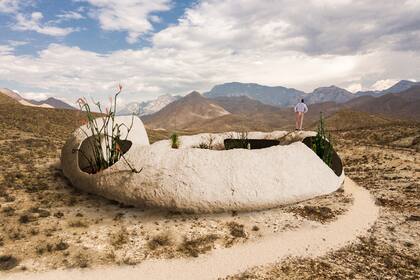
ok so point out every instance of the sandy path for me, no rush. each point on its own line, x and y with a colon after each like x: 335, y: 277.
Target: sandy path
x: 304, y: 242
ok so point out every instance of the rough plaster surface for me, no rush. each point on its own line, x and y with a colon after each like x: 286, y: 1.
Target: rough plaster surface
x: 198, y: 180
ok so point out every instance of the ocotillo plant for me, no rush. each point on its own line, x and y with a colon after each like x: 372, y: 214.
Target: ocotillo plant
x: 322, y: 144
x: 105, y: 138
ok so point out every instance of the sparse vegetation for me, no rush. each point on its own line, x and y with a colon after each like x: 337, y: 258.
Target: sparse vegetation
x: 175, y: 142
x: 119, y: 238
x: 160, y: 240
x: 237, y: 230
x: 194, y: 246
x: 105, y: 139
x: 383, y: 164
x: 208, y: 143
x: 322, y: 144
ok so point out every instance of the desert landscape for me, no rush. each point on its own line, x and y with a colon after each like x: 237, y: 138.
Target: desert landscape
x: 208, y: 139
x: 47, y: 224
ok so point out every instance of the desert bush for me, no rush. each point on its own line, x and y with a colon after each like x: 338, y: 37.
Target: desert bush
x: 119, y: 238
x: 78, y: 223
x: 236, y: 230
x: 208, y: 143
x: 322, y: 144
x: 175, y: 143
x: 197, y: 245
x: 106, y: 147
x: 160, y: 240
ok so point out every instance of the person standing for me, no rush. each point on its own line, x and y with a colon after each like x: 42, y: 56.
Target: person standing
x: 300, y: 110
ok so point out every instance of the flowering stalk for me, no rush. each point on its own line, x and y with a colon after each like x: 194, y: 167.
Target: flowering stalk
x: 106, y: 141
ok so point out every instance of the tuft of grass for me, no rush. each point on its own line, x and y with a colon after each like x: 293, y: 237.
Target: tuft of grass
x: 160, y: 240
x: 119, y: 238
x: 198, y: 245
x: 237, y: 230
x: 78, y: 224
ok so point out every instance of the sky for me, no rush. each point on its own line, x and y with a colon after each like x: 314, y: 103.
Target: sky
x: 73, y: 48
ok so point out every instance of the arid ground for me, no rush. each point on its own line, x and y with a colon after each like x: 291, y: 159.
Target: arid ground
x: 47, y: 224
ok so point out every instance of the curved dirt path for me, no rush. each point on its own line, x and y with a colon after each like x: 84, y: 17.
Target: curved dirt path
x: 304, y: 242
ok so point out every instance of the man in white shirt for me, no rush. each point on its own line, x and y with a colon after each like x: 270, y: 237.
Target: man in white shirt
x: 300, y: 110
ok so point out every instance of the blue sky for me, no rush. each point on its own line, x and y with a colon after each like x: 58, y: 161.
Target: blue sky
x: 89, y: 35
x: 78, y: 48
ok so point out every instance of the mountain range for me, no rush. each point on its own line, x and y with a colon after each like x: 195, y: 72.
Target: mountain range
x: 50, y: 102
x: 275, y: 96
x: 287, y: 97
x: 196, y: 112
x: 148, y: 107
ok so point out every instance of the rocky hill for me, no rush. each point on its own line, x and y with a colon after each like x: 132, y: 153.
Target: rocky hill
x: 179, y: 114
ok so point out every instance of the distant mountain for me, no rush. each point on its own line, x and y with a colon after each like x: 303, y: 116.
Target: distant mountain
x: 148, y: 107
x: 180, y: 113
x: 287, y: 97
x: 397, y: 88
x: 243, y: 105
x: 401, y: 86
x: 276, y: 96
x: 53, y: 103
x: 11, y: 93
x: 48, y: 103
x: 403, y: 104
x: 328, y: 94
x: 232, y: 113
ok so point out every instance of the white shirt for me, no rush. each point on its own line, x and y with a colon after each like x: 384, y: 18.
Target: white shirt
x: 301, y: 107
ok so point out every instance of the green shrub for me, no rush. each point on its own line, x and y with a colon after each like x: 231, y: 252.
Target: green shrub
x: 322, y: 144
x: 175, y: 141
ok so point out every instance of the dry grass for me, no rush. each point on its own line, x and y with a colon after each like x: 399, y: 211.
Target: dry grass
x: 194, y: 246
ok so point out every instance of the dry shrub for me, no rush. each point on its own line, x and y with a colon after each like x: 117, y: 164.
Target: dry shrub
x: 160, y: 240
x: 198, y: 245
x: 119, y: 238
x: 237, y: 230
x: 78, y: 223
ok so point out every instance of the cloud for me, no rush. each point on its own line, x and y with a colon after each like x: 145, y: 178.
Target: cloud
x: 383, y: 84
x: 6, y: 50
x: 355, y: 87
x: 9, y: 6
x: 306, y: 45
x: 70, y: 15
x: 132, y: 16
x: 34, y: 23
x: 312, y: 27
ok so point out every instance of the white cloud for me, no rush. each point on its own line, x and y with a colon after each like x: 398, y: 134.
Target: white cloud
x: 132, y: 16
x: 6, y: 50
x: 70, y: 15
x: 383, y: 84
x: 9, y: 6
x: 16, y: 43
x: 355, y: 87
x: 223, y: 41
x: 34, y: 23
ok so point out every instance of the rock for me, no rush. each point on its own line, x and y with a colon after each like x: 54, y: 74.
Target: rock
x: 413, y: 218
x: 197, y: 180
x: 8, y: 262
